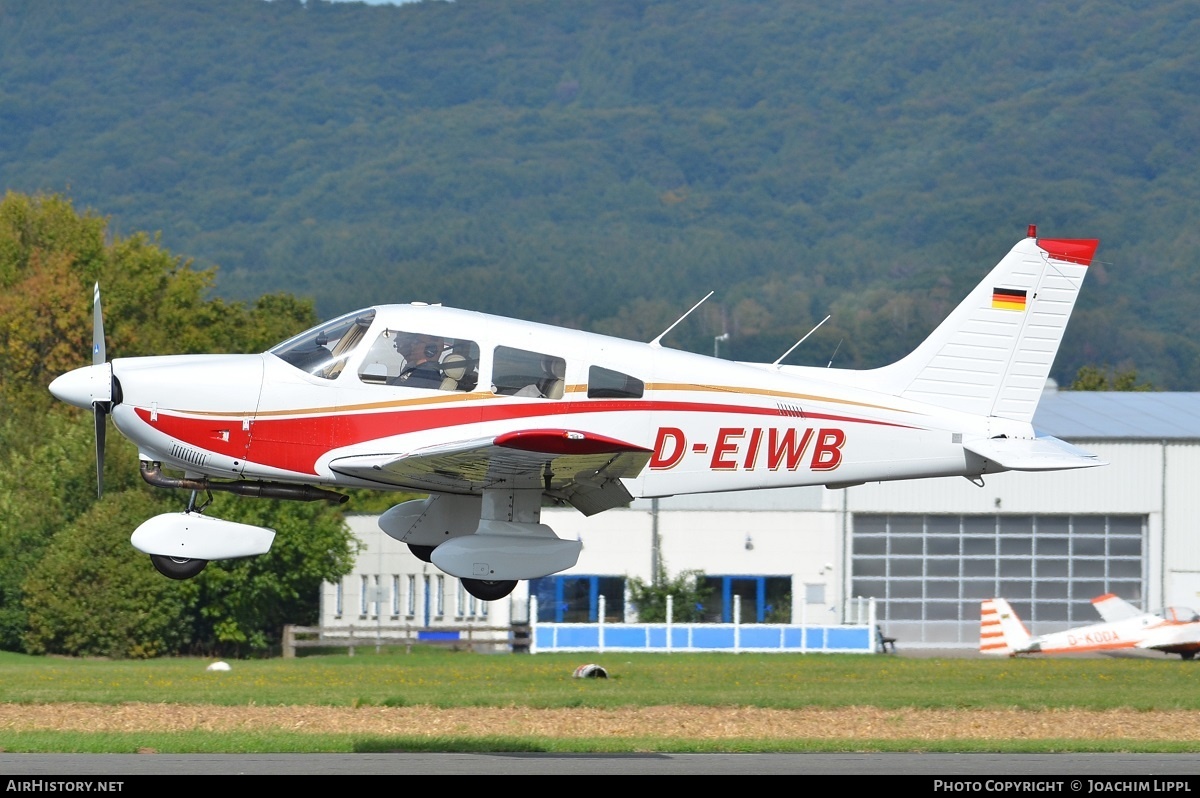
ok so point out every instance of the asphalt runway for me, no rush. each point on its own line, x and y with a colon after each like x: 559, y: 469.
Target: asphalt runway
x: 1081, y: 769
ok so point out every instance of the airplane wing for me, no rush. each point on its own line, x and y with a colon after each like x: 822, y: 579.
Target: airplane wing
x: 1039, y: 454
x: 580, y: 468
x: 1112, y: 608
x: 1172, y: 636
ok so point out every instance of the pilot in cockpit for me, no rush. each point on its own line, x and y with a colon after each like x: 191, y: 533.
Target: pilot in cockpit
x: 421, y: 368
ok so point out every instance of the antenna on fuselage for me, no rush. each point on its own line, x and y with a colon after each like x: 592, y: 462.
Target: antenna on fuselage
x: 802, y: 340
x: 835, y: 351
x: 658, y: 341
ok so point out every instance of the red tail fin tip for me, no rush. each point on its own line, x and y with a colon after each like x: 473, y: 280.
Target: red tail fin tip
x: 1071, y: 250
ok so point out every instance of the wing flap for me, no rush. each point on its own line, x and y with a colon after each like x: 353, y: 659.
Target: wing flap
x: 1037, y: 454
x: 583, y: 469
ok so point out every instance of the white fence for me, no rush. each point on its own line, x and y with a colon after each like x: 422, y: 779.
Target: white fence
x: 859, y: 637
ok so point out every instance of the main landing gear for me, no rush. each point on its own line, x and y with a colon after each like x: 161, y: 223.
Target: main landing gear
x: 422, y: 553
x: 482, y: 589
x: 486, y: 590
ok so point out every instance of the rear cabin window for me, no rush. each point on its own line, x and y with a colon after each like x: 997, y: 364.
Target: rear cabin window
x: 608, y: 384
x: 520, y: 372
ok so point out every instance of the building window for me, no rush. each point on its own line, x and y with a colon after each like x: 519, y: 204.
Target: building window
x: 814, y: 592
x: 461, y: 601
x: 395, y: 595
x: 410, y: 609
x: 758, y: 599
x: 339, y: 599
x: 440, y: 596
x: 576, y: 599
x: 364, y: 584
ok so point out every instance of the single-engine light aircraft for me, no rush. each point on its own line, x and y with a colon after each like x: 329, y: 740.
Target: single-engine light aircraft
x: 490, y: 417
x: 1173, y: 630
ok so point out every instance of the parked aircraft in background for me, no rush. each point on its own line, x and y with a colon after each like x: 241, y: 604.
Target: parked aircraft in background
x: 1174, y: 630
x: 491, y: 417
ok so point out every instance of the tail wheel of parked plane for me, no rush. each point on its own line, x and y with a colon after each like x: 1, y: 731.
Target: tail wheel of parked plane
x: 489, y: 591
x: 422, y: 553
x: 177, y: 567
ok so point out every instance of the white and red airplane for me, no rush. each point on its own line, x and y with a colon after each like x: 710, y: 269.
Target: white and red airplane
x: 1174, y: 630
x: 491, y: 417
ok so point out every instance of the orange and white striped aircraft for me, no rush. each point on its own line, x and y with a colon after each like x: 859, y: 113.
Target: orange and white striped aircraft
x: 1174, y: 630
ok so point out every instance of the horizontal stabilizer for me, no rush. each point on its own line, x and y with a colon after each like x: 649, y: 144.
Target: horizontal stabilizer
x: 1036, y: 454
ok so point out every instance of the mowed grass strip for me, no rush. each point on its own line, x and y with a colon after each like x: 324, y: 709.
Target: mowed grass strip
x: 438, y: 700
x: 443, y: 678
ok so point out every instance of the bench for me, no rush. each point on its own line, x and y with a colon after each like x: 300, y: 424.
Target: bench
x: 884, y: 645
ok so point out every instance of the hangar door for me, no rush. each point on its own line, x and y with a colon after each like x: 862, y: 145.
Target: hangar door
x: 929, y: 573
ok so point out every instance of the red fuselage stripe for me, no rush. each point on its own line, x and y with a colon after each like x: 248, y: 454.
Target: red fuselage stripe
x: 296, y: 443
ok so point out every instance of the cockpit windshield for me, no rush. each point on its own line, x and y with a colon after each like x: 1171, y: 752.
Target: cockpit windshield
x: 322, y: 351
x: 1180, y: 614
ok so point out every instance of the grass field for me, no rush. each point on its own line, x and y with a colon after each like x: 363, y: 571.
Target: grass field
x: 438, y: 700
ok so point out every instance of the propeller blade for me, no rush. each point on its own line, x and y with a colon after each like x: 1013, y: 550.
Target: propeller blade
x: 98, y: 356
x: 99, y: 409
x: 101, y: 416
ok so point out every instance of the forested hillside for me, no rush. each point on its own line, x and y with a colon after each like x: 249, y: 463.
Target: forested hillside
x: 606, y: 163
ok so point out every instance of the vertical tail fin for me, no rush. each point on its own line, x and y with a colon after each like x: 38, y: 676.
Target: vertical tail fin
x: 1112, y: 608
x: 1000, y: 630
x: 992, y: 355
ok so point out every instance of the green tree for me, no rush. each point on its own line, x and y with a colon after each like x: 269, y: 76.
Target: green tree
x: 91, y: 594
x: 1093, y: 378
x: 244, y: 604
x: 686, y: 589
x: 51, y: 525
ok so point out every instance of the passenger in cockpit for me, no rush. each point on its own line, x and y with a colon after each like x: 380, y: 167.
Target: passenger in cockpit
x: 421, y: 368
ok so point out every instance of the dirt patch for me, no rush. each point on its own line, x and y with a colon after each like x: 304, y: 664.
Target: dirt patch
x: 702, y: 723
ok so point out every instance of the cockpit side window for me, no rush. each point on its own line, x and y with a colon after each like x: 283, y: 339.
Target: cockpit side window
x: 519, y: 372
x: 323, y: 350
x: 608, y: 384
x: 421, y: 360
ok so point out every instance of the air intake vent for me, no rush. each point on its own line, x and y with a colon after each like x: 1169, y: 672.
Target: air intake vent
x: 790, y: 410
x: 188, y: 455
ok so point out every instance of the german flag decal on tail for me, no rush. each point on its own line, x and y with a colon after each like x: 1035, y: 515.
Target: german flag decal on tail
x: 1008, y: 298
